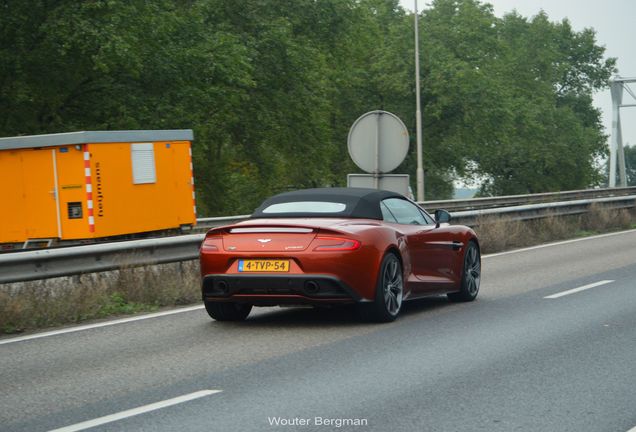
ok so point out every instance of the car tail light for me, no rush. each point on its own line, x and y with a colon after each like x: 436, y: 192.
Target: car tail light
x: 335, y: 244
x: 212, y: 244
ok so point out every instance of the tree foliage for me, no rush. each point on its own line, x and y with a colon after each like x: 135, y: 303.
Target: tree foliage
x: 630, y: 164
x: 272, y: 87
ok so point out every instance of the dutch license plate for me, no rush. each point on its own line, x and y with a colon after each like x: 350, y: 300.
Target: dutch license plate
x: 263, y: 265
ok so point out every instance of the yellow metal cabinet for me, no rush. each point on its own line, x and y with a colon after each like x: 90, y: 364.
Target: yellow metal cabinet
x: 86, y: 185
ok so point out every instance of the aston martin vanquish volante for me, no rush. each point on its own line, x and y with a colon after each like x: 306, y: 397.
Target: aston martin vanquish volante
x: 331, y: 246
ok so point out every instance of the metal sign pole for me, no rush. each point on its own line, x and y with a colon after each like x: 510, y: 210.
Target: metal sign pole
x: 622, y: 171
x: 376, y: 171
x: 617, y: 98
x: 418, y: 114
x: 617, y: 153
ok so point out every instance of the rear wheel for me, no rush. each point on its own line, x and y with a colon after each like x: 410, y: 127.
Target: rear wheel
x: 388, y: 294
x: 471, y: 275
x: 223, y: 311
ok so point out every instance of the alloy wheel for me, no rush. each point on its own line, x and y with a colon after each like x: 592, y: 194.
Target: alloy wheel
x: 393, y: 286
x: 472, y: 268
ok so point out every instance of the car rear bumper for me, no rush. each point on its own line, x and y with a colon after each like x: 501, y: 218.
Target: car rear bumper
x: 278, y: 289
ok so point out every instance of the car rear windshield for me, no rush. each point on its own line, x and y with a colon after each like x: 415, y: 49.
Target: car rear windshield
x: 306, y: 207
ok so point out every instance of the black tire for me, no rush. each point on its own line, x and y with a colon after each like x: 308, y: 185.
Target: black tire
x: 388, y: 293
x: 471, y: 275
x: 224, y: 311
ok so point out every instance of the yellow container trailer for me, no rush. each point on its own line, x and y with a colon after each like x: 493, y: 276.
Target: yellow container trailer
x: 95, y: 184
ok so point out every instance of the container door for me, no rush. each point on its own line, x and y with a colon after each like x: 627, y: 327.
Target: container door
x: 40, y: 194
x: 12, y: 211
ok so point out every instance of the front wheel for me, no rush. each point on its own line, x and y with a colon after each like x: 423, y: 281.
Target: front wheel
x: 471, y: 275
x: 225, y: 311
x: 388, y: 294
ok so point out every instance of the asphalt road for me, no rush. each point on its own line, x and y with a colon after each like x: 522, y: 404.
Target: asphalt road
x: 513, y: 360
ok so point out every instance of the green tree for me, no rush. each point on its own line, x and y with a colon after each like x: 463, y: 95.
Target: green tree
x: 271, y: 88
x: 630, y: 164
x: 508, y: 101
x: 557, y: 135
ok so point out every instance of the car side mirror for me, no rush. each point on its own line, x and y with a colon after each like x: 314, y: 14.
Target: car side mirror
x: 441, y: 216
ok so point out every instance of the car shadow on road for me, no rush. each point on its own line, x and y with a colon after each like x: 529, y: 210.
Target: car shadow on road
x: 423, y: 305
x: 340, y: 316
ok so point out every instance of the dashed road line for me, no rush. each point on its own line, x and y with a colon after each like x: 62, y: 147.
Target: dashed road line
x: 579, y: 289
x: 135, y: 411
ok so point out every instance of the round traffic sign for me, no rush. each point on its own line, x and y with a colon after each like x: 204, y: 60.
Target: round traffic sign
x: 378, y: 142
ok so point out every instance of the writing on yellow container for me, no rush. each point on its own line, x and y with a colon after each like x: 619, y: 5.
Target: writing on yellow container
x: 87, y: 185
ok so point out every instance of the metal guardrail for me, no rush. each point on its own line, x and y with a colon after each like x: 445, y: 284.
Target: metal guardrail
x: 218, y: 221
x: 47, y: 263
x: 543, y: 210
x: 515, y: 200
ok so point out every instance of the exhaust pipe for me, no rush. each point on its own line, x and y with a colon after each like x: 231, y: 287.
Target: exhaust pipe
x: 312, y: 287
x: 223, y: 286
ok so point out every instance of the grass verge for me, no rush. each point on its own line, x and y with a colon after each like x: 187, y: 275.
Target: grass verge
x: 58, y: 301
x: 66, y: 300
x: 497, y: 234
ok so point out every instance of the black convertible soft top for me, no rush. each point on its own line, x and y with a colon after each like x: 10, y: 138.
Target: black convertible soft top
x: 359, y: 203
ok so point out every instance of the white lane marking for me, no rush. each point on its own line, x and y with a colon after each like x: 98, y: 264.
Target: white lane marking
x: 558, y: 244
x: 579, y: 289
x: 98, y: 325
x: 135, y: 411
x: 632, y: 429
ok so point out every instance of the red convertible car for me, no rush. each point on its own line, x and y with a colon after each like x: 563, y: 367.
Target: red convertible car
x: 333, y: 246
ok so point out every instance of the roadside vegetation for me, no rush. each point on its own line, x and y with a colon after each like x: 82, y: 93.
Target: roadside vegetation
x: 66, y: 300
x: 630, y: 164
x: 497, y: 234
x: 59, y: 301
x: 271, y: 88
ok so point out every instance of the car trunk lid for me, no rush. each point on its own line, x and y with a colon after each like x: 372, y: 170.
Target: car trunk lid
x: 268, y: 239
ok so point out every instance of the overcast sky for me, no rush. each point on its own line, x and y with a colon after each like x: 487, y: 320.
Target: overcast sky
x: 615, y: 25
